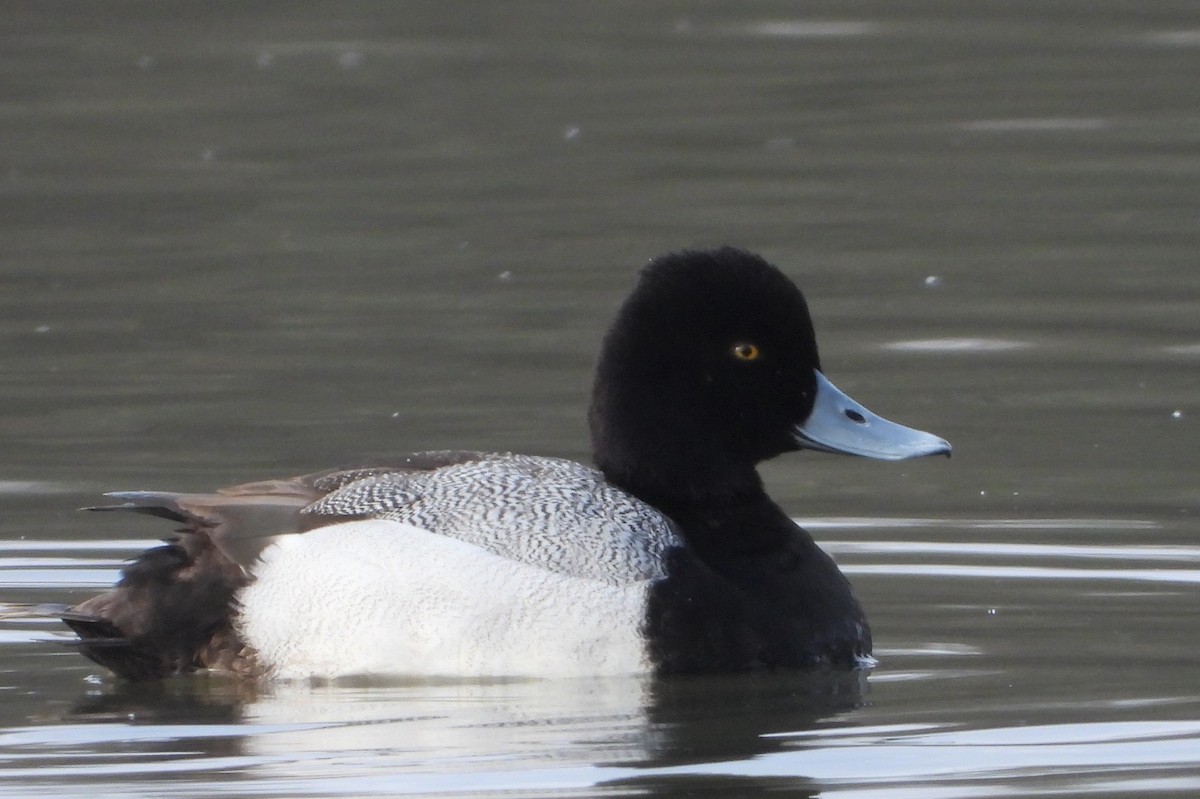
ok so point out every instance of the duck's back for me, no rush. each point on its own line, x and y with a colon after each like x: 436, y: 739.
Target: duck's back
x: 548, y: 513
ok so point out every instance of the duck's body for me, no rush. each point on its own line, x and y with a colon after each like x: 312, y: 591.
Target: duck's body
x: 495, y: 565
x: 669, y: 558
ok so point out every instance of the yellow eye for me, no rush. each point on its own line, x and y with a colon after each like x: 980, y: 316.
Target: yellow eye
x: 745, y: 351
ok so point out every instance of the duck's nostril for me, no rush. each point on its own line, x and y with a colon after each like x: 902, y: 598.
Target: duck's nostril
x: 855, y: 416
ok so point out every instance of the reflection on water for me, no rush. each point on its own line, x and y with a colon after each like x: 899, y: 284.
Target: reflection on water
x: 617, y: 735
x: 447, y: 735
x: 979, y: 762
x: 956, y: 345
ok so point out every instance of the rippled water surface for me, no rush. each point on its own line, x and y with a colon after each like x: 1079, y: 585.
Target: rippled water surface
x: 254, y: 240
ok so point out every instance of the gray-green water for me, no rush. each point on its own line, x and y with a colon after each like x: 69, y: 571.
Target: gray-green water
x: 248, y: 240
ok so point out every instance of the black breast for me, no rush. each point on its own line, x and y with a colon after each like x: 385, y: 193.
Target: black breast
x: 752, y: 591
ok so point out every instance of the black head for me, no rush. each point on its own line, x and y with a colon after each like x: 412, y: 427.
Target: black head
x: 707, y: 370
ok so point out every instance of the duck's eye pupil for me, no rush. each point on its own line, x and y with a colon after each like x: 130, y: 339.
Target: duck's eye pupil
x: 746, y: 352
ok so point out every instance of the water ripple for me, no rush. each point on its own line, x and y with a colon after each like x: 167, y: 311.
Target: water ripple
x: 957, y: 345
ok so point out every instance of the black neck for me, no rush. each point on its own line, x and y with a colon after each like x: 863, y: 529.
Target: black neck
x: 737, y: 518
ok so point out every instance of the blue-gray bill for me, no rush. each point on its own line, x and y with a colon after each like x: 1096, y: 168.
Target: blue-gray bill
x: 839, y: 424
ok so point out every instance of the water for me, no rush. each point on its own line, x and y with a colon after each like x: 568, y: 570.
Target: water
x: 245, y: 241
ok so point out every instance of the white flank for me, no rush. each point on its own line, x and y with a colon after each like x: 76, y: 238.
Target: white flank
x: 383, y: 597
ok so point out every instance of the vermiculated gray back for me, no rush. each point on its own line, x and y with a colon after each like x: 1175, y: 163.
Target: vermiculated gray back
x: 547, y: 512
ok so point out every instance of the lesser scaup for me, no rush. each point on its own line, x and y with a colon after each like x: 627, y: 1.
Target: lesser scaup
x: 668, y: 558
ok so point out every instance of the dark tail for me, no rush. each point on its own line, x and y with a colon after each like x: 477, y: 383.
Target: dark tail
x: 171, y: 613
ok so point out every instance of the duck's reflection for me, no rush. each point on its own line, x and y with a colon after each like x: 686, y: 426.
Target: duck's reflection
x: 622, y: 734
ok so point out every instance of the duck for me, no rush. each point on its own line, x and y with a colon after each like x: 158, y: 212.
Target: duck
x: 666, y: 556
